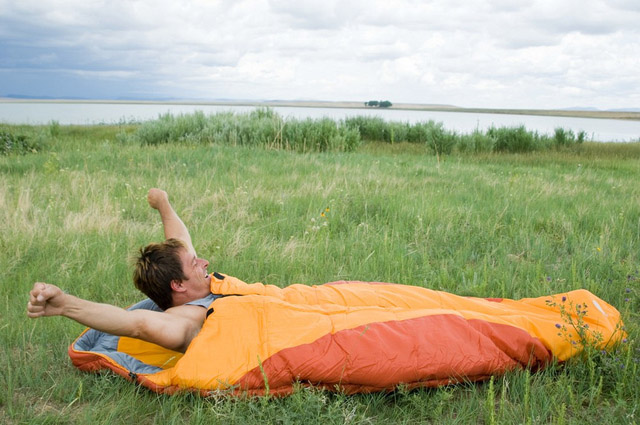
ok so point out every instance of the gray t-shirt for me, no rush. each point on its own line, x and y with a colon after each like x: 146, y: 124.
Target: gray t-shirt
x: 148, y: 304
x: 204, y: 302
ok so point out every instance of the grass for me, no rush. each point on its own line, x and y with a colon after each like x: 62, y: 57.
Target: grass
x: 483, y: 224
x: 261, y: 127
x: 264, y: 127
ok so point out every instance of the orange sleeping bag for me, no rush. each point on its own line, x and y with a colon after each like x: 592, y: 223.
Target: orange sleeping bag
x: 355, y: 337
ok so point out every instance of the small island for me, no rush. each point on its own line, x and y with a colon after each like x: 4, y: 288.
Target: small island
x: 378, y: 104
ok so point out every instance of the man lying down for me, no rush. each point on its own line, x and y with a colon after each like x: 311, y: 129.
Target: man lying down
x: 169, y: 273
x: 211, y: 332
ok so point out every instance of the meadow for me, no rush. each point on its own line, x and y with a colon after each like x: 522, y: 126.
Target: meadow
x: 445, y: 211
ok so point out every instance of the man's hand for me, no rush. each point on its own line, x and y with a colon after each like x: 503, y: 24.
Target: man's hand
x: 45, y: 300
x: 173, y: 225
x: 157, y: 198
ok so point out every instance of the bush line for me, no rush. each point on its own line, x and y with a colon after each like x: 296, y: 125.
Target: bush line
x: 264, y: 127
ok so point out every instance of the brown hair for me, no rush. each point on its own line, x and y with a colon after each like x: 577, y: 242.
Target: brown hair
x: 155, y: 268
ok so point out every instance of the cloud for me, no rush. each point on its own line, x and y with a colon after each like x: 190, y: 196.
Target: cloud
x: 315, y: 15
x: 495, y: 53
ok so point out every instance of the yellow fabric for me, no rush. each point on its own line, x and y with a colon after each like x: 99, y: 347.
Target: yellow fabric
x: 149, y: 353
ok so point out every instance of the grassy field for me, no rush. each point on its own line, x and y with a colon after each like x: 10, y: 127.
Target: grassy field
x: 487, y: 224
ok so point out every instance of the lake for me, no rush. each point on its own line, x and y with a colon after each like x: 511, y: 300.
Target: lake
x: 605, y: 130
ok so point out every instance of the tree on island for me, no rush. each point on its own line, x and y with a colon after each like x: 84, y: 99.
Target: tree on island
x: 379, y: 104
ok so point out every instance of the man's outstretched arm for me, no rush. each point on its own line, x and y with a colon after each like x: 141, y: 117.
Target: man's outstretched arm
x: 173, y: 329
x: 173, y: 225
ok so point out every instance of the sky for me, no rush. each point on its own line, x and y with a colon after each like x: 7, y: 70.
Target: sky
x: 541, y: 54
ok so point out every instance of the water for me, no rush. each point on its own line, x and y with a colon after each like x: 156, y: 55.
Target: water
x: 606, y: 130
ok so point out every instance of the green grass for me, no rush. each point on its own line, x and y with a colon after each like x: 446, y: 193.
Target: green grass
x: 266, y: 128
x: 261, y: 127
x: 486, y: 224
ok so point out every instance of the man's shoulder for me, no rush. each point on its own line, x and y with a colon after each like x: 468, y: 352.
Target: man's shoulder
x: 192, y: 312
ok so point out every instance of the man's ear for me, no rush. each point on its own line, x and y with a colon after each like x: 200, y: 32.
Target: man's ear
x: 177, y: 286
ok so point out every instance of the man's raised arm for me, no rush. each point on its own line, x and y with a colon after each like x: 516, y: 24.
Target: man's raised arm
x: 173, y: 329
x: 173, y: 225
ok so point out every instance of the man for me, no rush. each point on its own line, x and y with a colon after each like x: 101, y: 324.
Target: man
x: 170, y: 273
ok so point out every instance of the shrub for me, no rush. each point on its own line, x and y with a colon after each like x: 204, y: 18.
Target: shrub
x: 261, y: 127
x: 397, y: 132
x: 319, y: 135
x: 434, y: 135
x: 513, y: 139
x: 562, y: 137
x: 54, y: 128
x: 16, y: 144
x: 370, y: 128
x: 476, y: 142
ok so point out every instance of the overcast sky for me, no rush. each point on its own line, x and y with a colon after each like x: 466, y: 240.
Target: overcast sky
x: 500, y: 53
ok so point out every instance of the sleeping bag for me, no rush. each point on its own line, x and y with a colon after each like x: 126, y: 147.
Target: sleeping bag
x: 354, y: 337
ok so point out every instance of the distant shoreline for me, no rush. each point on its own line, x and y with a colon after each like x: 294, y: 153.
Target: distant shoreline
x: 615, y: 115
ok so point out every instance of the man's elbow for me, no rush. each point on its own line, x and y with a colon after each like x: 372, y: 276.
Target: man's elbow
x: 139, y: 329
x: 141, y: 326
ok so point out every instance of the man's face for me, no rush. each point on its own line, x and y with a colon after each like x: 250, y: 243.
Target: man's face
x: 198, y: 281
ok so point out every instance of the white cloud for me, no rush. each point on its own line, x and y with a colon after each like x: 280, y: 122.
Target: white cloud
x: 312, y: 14
x: 496, y: 53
